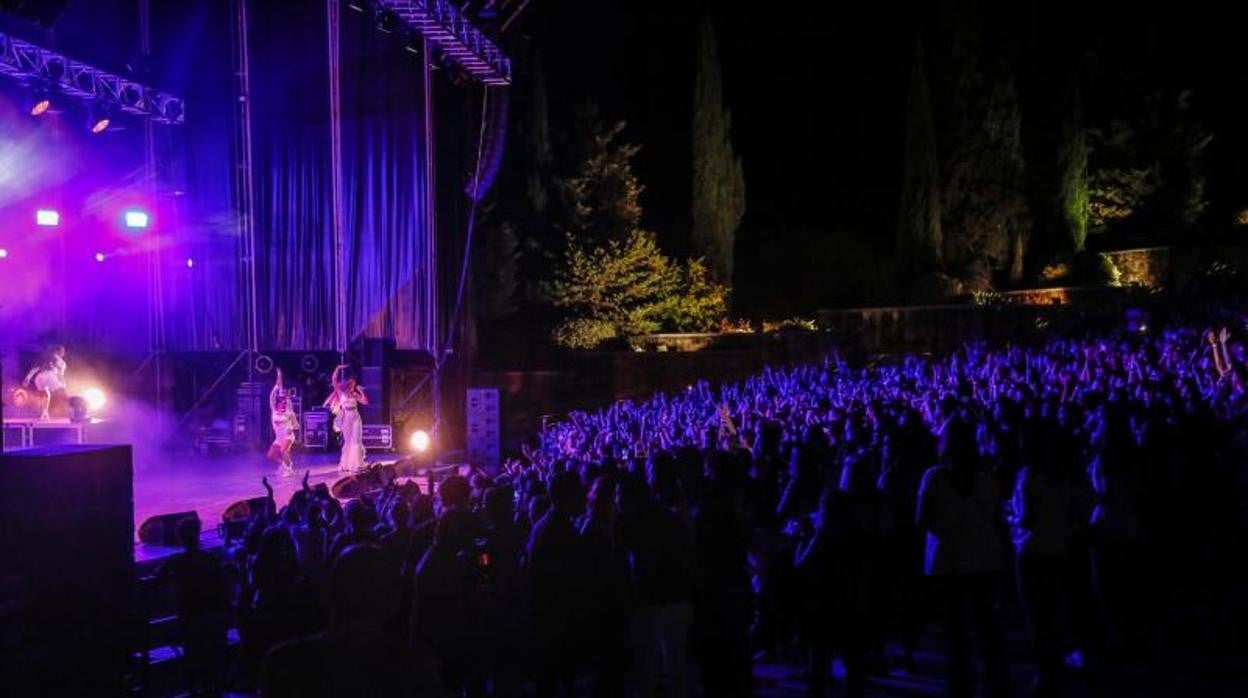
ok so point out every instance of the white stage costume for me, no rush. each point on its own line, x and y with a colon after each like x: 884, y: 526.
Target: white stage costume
x: 352, y: 428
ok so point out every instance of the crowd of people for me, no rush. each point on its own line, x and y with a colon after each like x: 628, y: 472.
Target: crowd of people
x: 1083, y: 494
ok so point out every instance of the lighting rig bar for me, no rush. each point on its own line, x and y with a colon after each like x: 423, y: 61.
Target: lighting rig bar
x: 459, y: 39
x: 30, y: 63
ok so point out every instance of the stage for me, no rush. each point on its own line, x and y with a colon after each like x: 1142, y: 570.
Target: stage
x: 210, y: 484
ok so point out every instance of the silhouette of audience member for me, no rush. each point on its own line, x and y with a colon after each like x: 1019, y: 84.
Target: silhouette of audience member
x: 203, y: 599
x: 724, y: 600
x: 357, y: 655
x: 659, y: 552
x: 555, y: 564
x: 606, y: 621
x: 1041, y: 514
x: 959, y: 509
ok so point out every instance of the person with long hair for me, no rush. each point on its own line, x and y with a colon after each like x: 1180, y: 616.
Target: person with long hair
x: 285, y: 428
x: 48, y: 377
x: 345, y: 401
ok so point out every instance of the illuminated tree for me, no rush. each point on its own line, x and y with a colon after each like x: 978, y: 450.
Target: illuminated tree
x: 614, y: 289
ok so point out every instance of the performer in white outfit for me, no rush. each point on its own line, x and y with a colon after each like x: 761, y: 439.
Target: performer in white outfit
x: 48, y: 377
x: 285, y: 428
x: 345, y: 402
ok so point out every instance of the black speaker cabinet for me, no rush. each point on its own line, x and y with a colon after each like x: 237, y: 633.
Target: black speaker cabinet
x: 163, y: 529
x: 66, y: 569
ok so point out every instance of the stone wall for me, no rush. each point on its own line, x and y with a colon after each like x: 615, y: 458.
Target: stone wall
x: 588, y: 380
x: 1149, y: 266
x: 941, y: 328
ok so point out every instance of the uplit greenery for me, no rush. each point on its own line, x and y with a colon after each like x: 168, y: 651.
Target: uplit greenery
x: 612, y: 280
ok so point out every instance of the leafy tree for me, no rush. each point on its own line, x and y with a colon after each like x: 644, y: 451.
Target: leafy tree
x: 718, y: 177
x: 1120, y: 180
x: 612, y: 280
x: 602, y: 195
x: 986, y: 218
x: 615, y: 289
x: 1073, y: 194
x: 699, y: 305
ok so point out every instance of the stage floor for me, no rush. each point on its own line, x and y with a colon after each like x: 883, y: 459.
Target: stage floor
x: 210, y: 484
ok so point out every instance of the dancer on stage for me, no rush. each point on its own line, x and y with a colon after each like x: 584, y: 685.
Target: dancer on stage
x: 345, y: 402
x: 285, y: 428
x: 48, y: 377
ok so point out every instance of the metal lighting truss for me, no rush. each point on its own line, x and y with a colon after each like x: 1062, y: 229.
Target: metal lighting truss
x: 447, y: 29
x: 30, y: 63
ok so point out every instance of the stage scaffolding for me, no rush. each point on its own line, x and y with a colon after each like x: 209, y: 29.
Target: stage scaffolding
x: 446, y: 36
x: 31, y: 63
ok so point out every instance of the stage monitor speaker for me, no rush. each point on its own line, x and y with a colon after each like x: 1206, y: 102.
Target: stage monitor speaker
x: 163, y: 529
x: 238, y: 516
x: 246, y: 509
x: 357, y: 485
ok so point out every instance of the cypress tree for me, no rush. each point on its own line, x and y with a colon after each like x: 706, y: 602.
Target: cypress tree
x: 718, y: 178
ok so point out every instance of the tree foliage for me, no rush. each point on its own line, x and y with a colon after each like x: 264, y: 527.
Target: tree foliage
x: 986, y: 218
x: 699, y: 305
x: 612, y: 282
x: 1150, y: 165
x: 602, y: 195
x: 617, y: 288
x: 919, y: 235
x: 718, y: 177
x: 1073, y: 193
x: 627, y: 287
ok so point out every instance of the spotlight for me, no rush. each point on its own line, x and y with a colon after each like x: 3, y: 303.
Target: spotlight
x: 47, y: 217
x: 99, y: 256
x: 420, y: 441
x: 98, y: 119
x: 190, y: 263
x: 4, y: 254
x: 78, y: 410
x: 95, y: 399
x: 136, y: 219
x: 39, y: 102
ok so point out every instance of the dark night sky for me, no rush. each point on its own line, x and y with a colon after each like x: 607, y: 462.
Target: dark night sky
x: 818, y: 89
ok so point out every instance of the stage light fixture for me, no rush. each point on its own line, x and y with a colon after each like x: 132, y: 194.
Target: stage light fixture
x: 39, y: 102
x: 99, y: 117
x: 420, y: 441
x: 99, y: 256
x: 78, y: 410
x: 47, y: 217
x: 95, y: 399
x: 137, y: 219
